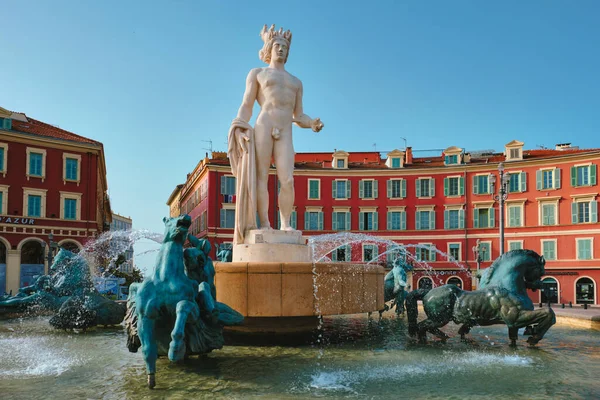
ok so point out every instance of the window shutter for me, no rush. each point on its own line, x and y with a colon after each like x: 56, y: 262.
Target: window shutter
x: 403, y: 220
x: 594, y: 211
x: 375, y: 189
x: 461, y: 186
x: 306, y: 221
x: 417, y: 220
x: 446, y: 222
x: 557, y: 178
x: 348, y: 253
x: 592, y: 174
x: 432, y: 187
x: 348, y: 187
x: 334, y: 221
x: 321, y: 221
x: 492, y: 217
x: 446, y: 186
x: 511, y: 216
x: 334, y: 255
x: 523, y: 182
x: 418, y: 187
x: 475, y: 185
x: 375, y: 221
x: 375, y: 252
x: 461, y: 219
x: 574, y: 212
x: 361, y: 189
x: 545, y: 220
x: 348, y: 225
x: 475, y: 218
x: 294, y: 222
x: 573, y: 176
x: 431, y: 220
x: 334, y: 189
x: 538, y: 178
x: 403, y: 188
x: 223, y: 189
x: 446, y: 160
x: 389, y: 189
x: 389, y: 220
x: 223, y: 222
x: 361, y: 221
x: 432, y: 253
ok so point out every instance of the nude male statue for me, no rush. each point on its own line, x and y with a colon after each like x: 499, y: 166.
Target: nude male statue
x: 280, y: 96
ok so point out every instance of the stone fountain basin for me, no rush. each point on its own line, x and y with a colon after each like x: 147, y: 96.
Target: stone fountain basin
x: 287, y: 289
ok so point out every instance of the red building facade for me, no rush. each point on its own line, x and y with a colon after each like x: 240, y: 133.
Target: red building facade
x: 441, y: 208
x: 52, y: 182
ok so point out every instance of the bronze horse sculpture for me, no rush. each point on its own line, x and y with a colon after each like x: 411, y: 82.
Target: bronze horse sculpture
x: 501, y: 299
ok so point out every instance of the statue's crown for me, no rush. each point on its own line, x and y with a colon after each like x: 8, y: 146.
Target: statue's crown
x: 271, y: 33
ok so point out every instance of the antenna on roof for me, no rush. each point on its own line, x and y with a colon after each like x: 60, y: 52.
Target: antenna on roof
x: 210, y: 148
x: 404, y: 142
x: 541, y: 146
x: 374, y: 146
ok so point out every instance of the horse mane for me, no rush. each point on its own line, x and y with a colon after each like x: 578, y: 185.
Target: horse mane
x: 504, y: 259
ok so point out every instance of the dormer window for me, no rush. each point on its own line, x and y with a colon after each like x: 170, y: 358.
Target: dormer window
x: 395, y: 159
x: 340, y: 159
x: 514, y: 151
x: 6, y: 124
x: 453, y: 155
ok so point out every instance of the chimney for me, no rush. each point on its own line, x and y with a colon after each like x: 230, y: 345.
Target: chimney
x: 408, y: 156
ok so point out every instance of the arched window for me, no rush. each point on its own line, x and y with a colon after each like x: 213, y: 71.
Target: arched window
x: 455, y: 281
x: 425, y: 283
x: 585, y: 291
x: 550, y: 292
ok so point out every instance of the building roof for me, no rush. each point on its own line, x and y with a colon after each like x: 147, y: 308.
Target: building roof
x: 35, y: 127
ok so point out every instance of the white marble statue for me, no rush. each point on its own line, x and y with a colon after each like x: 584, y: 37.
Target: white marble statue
x: 279, y: 95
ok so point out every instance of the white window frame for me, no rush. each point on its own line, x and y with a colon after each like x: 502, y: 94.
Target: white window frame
x: 318, y: 190
x: 482, y: 205
x: 432, y: 216
x: 370, y: 210
x: 489, y: 254
x: 514, y: 203
x: 553, y: 169
x: 489, y: 185
x: 459, y: 251
x: 457, y: 177
x: 3, y: 167
x: 520, y: 242
x: 432, y: 249
x: 76, y: 157
x: 398, y: 209
x: 548, y: 200
x: 345, y: 210
x: 4, y: 204
x: 375, y: 248
x: 431, y: 187
x: 348, y: 182
x: 34, y: 192
x: 591, y: 239
x: 73, y: 196
x: 30, y: 150
x: 401, y: 180
x: 226, y: 206
x: 555, y: 248
x: 374, y: 189
x: 589, y: 166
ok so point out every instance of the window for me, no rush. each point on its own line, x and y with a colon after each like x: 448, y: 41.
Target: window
x: 454, y: 186
x: 71, y: 164
x: 515, y: 154
x: 3, y: 157
x: 425, y: 283
x: 34, y: 206
x: 454, y: 219
x: 228, y: 185
x: 483, y: 218
x: 396, y: 189
x: 425, y: 187
x: 313, y: 220
x: 518, y: 182
x: 548, y: 179
x: 396, y: 162
x: 515, y: 215
x: 396, y: 220
x: 425, y: 252
x: 584, y: 249
x: 341, y: 163
x: 227, y: 218
x: 425, y: 219
x: 449, y: 160
x: 584, y: 211
x: 34, y: 202
x: 367, y: 221
x: 70, y: 208
x: 454, y: 252
x: 203, y: 221
x: 584, y: 175
x: 515, y: 245
x: 549, y: 249
x: 4, y: 199
x: 584, y: 291
x: 548, y: 213
x: 314, y: 189
x: 340, y: 221
x: 342, y: 253
x: 370, y: 252
x: 485, y: 251
x: 340, y: 189
x: 36, y: 163
x: 367, y: 189
x: 393, y: 253
x: 481, y: 184
x: 6, y: 124
x: 293, y: 220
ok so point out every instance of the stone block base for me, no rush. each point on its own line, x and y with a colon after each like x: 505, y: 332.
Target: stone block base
x: 272, y: 246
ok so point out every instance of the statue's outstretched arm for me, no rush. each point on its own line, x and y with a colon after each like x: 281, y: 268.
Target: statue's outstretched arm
x: 301, y: 119
x: 245, y: 111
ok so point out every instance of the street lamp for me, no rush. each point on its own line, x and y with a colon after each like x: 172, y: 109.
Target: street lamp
x: 500, y: 197
x: 479, y: 253
x: 51, y: 250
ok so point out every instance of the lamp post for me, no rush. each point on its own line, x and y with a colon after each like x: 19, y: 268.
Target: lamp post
x: 479, y: 253
x: 500, y: 197
x: 51, y: 250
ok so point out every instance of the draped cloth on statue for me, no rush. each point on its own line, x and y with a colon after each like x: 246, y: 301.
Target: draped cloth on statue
x: 242, y: 157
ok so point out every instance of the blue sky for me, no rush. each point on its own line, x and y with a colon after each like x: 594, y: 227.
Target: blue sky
x: 155, y: 80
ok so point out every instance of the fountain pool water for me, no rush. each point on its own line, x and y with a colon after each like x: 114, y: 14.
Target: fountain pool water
x: 361, y: 358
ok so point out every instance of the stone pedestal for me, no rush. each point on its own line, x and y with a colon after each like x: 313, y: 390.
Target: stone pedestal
x: 272, y: 246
